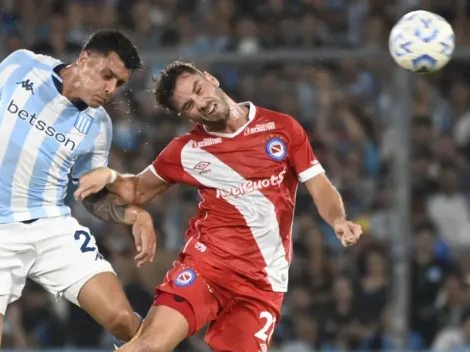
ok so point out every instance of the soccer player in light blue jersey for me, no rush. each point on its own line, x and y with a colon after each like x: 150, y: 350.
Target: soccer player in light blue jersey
x: 52, y: 125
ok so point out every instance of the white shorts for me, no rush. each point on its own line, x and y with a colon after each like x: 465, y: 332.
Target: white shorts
x: 57, y: 253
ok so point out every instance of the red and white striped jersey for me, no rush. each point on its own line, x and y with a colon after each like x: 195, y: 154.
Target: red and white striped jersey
x: 247, y: 181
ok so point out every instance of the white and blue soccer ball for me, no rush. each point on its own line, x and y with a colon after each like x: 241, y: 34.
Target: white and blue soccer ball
x: 422, y: 42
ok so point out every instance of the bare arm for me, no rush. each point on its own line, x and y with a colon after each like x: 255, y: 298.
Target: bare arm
x: 108, y: 206
x: 130, y: 189
x: 331, y: 209
x: 118, y: 206
x: 326, y: 198
x: 138, y: 189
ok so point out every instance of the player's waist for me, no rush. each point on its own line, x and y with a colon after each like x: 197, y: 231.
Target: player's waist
x: 250, y: 267
x: 30, y: 215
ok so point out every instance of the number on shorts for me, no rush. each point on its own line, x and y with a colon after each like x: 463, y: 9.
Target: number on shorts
x: 84, y: 248
x: 270, y: 322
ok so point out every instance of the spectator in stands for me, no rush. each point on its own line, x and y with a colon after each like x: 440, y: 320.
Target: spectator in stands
x: 428, y: 274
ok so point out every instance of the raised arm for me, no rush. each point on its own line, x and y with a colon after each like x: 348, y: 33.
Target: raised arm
x: 324, y: 194
x: 129, y: 189
x: 138, y: 189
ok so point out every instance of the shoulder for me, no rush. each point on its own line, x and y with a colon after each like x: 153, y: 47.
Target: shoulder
x: 281, y: 120
x: 178, y: 143
x: 274, y: 115
x: 29, y: 58
x: 174, y: 149
x: 193, y: 138
x: 283, y: 124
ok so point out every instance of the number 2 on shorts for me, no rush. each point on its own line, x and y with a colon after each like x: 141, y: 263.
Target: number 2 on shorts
x: 84, y: 247
x: 270, y: 322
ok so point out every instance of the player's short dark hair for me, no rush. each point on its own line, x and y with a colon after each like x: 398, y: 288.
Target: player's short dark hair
x: 165, y: 84
x: 106, y: 41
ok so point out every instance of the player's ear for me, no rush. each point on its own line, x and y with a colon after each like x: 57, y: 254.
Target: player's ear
x: 82, y: 58
x: 211, y: 78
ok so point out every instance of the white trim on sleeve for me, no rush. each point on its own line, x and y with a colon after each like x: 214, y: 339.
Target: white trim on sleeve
x: 311, y: 172
x: 152, y: 169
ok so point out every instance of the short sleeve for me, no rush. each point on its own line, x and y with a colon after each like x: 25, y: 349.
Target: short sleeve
x: 98, y: 156
x: 301, y: 157
x: 167, y: 166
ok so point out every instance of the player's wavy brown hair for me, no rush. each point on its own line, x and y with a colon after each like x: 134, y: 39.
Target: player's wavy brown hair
x: 165, y: 84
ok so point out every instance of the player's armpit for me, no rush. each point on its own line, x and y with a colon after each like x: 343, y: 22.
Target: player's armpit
x: 326, y: 198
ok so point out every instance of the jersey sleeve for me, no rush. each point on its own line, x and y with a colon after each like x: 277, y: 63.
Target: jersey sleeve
x: 99, y: 155
x: 167, y: 166
x: 301, y: 157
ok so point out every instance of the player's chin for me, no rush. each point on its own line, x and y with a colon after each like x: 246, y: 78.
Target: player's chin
x: 96, y: 102
x: 94, y: 105
x: 213, y: 119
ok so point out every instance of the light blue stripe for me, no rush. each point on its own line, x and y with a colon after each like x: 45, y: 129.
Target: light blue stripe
x: 15, y: 145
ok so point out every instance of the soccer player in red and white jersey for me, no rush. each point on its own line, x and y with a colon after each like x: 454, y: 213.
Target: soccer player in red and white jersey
x: 247, y: 163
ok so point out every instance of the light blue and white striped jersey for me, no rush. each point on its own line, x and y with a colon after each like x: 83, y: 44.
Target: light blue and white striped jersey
x: 43, y: 137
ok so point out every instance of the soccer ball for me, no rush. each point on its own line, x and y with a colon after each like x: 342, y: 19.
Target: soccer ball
x: 422, y: 42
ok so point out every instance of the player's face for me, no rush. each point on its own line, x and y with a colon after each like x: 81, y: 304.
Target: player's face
x: 100, y: 77
x: 199, y: 98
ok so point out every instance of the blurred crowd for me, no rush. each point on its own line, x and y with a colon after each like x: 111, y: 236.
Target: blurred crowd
x: 339, y: 300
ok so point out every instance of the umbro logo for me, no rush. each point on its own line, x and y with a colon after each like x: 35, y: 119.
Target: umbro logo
x: 201, y: 167
x: 28, y: 85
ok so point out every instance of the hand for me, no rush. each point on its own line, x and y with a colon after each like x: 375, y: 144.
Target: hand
x: 347, y: 232
x: 145, y: 238
x: 93, y: 182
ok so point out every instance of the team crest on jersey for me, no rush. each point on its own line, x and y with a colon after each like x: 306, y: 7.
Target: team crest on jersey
x: 83, y: 123
x: 276, y: 149
x: 185, y: 278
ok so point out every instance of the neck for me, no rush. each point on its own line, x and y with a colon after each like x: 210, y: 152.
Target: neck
x: 70, y: 83
x: 237, y: 118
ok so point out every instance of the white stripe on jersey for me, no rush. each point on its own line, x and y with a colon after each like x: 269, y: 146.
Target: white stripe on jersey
x: 263, y: 223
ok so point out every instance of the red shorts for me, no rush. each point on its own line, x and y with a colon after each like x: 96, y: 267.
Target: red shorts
x: 239, y: 321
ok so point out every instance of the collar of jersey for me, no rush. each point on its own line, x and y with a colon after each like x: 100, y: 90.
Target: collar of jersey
x: 80, y: 105
x: 251, y: 117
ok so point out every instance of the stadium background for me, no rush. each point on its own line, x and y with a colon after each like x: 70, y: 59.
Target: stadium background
x: 397, y: 147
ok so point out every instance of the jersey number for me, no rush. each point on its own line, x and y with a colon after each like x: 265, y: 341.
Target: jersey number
x: 270, y: 322
x: 85, y: 245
